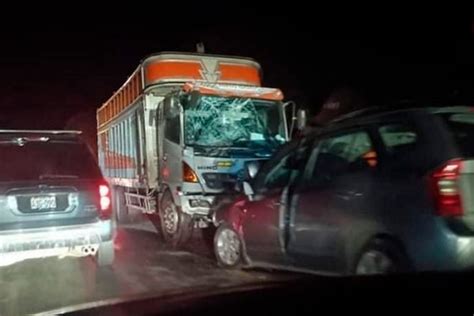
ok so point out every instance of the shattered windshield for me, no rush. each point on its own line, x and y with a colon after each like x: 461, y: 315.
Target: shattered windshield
x: 233, y: 122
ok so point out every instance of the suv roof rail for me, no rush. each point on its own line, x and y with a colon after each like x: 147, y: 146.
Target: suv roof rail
x: 358, y: 113
x: 39, y: 131
x: 375, y: 110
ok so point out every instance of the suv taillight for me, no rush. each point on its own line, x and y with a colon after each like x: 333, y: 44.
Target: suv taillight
x: 445, y: 188
x: 105, y: 201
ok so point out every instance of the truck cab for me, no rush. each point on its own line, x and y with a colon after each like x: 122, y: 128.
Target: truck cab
x: 207, y: 132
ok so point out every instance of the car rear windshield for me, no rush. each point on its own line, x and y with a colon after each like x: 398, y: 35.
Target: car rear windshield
x: 462, y: 127
x: 46, y: 160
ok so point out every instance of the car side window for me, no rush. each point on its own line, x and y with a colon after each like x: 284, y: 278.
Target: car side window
x: 288, y: 169
x: 340, y: 155
x: 172, y: 129
x: 396, y: 137
x: 402, y: 146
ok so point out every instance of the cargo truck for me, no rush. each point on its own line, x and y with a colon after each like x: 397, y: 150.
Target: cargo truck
x: 179, y: 132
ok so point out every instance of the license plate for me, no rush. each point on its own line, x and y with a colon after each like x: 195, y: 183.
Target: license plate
x: 43, y: 202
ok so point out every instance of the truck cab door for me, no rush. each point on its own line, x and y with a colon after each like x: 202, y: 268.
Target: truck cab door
x: 169, y: 141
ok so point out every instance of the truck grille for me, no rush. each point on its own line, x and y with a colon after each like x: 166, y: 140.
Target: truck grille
x: 215, y: 180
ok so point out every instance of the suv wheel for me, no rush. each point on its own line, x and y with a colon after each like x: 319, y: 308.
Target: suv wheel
x: 227, y: 247
x: 381, y: 257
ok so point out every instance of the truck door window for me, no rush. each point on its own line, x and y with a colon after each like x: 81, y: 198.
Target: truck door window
x: 172, y: 129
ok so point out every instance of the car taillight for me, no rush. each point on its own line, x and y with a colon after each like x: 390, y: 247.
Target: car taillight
x: 445, y: 188
x: 105, y: 201
x: 188, y: 174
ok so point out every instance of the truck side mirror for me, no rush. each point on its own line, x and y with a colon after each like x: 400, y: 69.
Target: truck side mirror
x: 301, y: 119
x: 194, y: 99
x: 170, y: 107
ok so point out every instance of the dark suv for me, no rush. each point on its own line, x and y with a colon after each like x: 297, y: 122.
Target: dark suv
x: 53, y: 198
x: 374, y: 192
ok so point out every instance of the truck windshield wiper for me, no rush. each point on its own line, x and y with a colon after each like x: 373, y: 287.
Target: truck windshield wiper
x: 57, y: 176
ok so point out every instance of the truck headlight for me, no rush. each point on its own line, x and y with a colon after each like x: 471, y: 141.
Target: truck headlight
x: 199, y: 203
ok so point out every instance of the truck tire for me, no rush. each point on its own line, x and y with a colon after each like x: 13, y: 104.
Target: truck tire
x: 176, y: 226
x: 121, y: 210
x: 106, y: 254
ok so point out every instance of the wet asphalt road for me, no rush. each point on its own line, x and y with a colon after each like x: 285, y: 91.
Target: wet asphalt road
x: 143, y: 265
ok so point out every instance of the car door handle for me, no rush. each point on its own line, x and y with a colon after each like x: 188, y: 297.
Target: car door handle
x: 165, y: 157
x: 277, y: 204
x: 346, y: 195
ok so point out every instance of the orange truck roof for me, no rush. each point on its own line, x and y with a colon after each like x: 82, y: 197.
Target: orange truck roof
x: 180, y: 67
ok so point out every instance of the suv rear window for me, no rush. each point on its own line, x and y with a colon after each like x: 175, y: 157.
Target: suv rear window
x: 43, y: 160
x: 461, y: 126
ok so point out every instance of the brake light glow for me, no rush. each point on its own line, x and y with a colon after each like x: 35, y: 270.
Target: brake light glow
x: 445, y: 188
x: 104, y: 190
x: 105, y: 201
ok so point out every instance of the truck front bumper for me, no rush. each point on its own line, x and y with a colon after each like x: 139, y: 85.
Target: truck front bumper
x: 197, y: 205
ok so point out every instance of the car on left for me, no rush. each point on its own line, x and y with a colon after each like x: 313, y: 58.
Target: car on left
x: 54, y: 201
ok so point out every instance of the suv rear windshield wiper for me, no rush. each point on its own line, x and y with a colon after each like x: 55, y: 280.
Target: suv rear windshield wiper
x: 21, y: 141
x: 57, y: 176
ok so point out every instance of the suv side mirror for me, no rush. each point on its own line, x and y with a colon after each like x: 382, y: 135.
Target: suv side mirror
x: 301, y: 119
x: 252, y: 168
x: 292, y: 163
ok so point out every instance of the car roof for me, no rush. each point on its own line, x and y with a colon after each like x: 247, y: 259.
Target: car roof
x: 373, y: 114
x: 50, y: 134
x: 33, y: 131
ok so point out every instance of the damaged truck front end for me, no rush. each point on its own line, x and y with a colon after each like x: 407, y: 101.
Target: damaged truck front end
x: 221, y: 128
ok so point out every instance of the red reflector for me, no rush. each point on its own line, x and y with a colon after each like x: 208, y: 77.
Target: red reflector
x: 444, y: 185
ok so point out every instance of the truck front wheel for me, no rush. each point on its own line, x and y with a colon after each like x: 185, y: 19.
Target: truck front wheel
x: 176, y: 226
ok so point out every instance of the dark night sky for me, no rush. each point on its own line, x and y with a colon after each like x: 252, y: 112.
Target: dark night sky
x: 62, y: 64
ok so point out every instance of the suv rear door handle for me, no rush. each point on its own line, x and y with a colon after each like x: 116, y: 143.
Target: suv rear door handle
x: 350, y: 194
x: 277, y: 203
x: 165, y: 157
